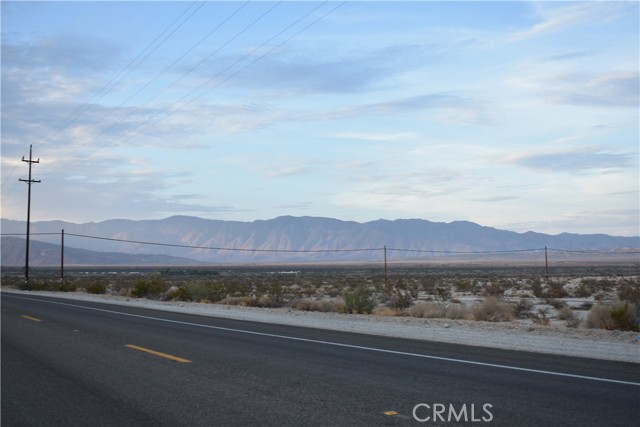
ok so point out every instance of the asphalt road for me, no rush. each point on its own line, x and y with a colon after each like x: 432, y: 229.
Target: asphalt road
x: 69, y: 363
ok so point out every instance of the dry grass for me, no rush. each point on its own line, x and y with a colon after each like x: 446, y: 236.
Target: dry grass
x: 325, y: 306
x: 493, y: 310
x: 599, y: 317
x: 457, y: 311
x: 428, y: 310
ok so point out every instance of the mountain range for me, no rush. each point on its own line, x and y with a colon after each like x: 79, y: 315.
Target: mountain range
x: 283, y: 239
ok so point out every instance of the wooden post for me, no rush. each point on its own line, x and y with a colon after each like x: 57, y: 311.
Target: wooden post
x: 546, y: 265
x: 62, y: 256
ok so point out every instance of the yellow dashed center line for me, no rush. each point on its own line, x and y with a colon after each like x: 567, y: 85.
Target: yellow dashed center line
x: 35, y: 319
x: 157, y: 353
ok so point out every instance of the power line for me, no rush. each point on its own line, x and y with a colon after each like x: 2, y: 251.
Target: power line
x: 156, y: 117
x: 465, y: 252
x: 128, y: 69
x: 132, y: 65
x: 221, y: 248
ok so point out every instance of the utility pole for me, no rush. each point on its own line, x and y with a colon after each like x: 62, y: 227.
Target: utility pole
x: 62, y: 257
x: 29, y: 182
x: 385, y: 265
x: 546, y: 265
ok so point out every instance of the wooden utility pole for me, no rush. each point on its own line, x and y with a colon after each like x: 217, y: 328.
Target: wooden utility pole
x: 62, y: 257
x: 385, y: 265
x: 29, y: 182
x: 546, y: 265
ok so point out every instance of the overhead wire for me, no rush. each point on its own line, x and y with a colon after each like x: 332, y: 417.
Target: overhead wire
x: 128, y: 70
x: 140, y: 107
x: 388, y: 249
x: 111, y: 84
x: 156, y: 117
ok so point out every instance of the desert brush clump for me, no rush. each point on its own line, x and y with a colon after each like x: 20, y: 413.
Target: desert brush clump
x: 149, y: 288
x: 358, y: 300
x: 493, y: 310
x: 567, y: 314
x: 619, y: 315
x: 323, y: 305
x: 97, y: 287
x: 428, y: 310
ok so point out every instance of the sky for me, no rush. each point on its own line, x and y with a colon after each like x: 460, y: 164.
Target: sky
x: 515, y: 115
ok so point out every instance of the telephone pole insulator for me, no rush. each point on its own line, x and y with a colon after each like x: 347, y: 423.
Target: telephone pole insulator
x: 29, y: 182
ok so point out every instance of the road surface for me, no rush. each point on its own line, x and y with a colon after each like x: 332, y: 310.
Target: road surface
x: 72, y: 363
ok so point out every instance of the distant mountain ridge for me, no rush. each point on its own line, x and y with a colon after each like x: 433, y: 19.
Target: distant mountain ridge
x: 260, y: 240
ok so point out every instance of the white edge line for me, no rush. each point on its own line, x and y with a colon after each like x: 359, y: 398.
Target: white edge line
x: 337, y: 344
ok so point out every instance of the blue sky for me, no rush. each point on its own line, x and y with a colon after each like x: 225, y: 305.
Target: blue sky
x: 516, y: 115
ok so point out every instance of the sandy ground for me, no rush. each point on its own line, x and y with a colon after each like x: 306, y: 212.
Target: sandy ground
x: 552, y: 339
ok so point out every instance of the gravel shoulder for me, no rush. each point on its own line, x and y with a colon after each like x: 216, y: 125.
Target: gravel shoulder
x: 553, y: 339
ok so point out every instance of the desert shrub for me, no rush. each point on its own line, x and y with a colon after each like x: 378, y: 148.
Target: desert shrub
x: 456, y: 311
x: 428, y: 310
x: 567, y: 314
x: 536, y: 287
x: 323, y: 305
x: 492, y: 310
x: 583, y: 291
x: 494, y: 289
x: 540, y: 318
x: 151, y: 288
x: 443, y: 292
x: 179, y: 293
x: 399, y: 301
x: 630, y: 291
x: 65, y: 286
x: 464, y: 285
x: 97, y: 287
x: 210, y: 291
x: 623, y: 314
x: 359, y: 300
x: 601, y: 284
x: 555, y: 290
x: 522, y: 308
x: 557, y: 304
x: 599, y: 317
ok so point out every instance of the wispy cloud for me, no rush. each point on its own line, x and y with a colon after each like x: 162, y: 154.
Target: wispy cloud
x: 607, y: 89
x: 556, y: 18
x: 614, y: 89
x: 573, y: 160
x: 567, y: 56
x: 401, y: 136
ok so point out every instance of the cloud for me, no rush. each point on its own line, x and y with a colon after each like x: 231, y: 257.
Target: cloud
x: 576, y: 160
x: 566, y: 56
x: 559, y: 18
x: 400, y: 136
x: 450, y: 107
x: 69, y: 52
x: 293, y: 71
x: 111, y: 188
x: 609, y: 90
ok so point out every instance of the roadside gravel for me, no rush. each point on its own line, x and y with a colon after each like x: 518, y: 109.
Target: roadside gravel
x: 553, y: 339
